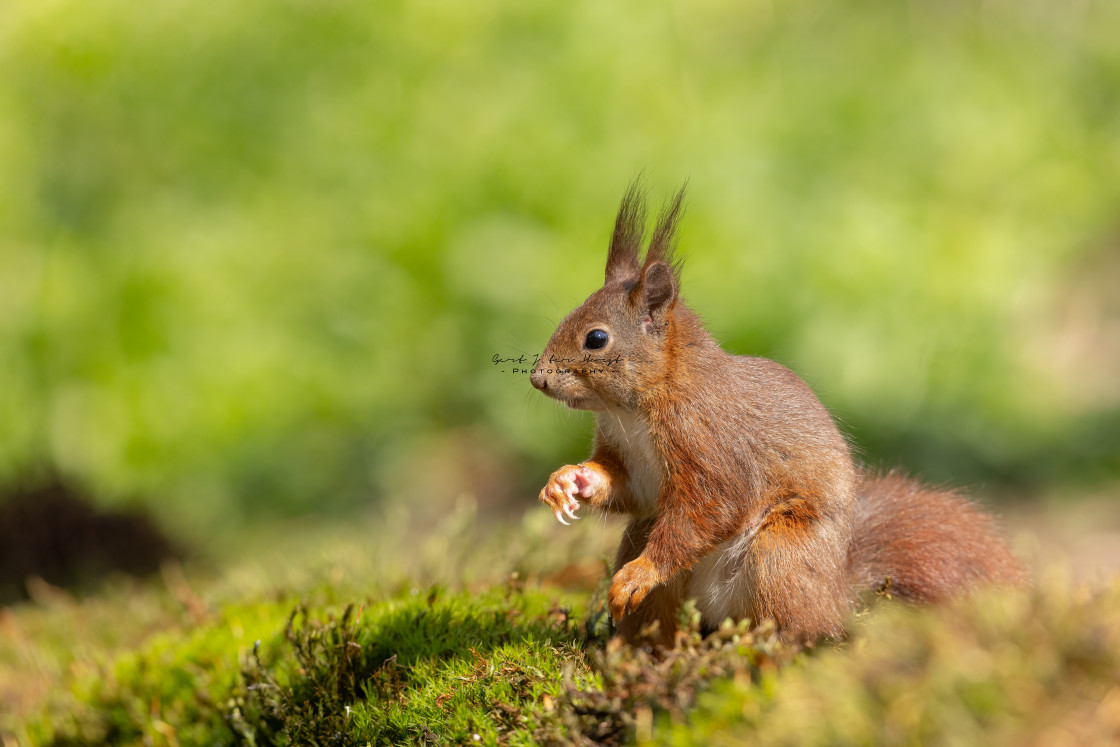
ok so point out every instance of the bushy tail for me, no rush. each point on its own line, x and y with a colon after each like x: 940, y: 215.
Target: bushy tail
x: 923, y: 544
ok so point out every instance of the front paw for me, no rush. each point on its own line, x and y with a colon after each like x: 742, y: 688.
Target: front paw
x: 630, y: 586
x: 566, y: 486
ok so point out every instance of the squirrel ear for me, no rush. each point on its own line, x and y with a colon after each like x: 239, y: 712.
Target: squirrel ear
x: 657, y: 289
x: 629, y: 226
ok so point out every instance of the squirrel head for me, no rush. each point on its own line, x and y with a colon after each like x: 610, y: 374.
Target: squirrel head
x: 618, y: 343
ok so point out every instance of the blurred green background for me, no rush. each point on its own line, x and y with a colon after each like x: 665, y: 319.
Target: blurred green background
x: 255, y: 257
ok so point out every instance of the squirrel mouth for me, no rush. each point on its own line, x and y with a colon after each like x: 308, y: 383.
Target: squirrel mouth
x: 590, y: 402
x: 576, y: 397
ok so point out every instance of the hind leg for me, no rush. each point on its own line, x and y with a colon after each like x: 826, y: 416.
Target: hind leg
x: 661, y: 604
x: 794, y: 573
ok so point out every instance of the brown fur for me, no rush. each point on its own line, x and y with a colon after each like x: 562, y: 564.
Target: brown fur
x: 742, y: 489
x: 922, y: 544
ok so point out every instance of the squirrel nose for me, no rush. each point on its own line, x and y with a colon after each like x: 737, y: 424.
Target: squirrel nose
x: 538, y: 379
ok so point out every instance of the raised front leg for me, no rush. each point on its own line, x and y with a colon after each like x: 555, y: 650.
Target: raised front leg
x: 601, y: 481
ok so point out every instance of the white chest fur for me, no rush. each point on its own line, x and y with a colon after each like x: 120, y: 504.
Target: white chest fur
x: 629, y: 434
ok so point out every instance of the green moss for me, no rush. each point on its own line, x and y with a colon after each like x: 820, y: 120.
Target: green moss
x: 519, y: 661
x: 440, y: 667
x: 401, y: 669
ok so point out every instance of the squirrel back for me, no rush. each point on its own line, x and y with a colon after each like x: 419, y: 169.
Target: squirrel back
x: 741, y: 490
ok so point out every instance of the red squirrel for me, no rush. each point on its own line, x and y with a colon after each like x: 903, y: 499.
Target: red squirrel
x: 741, y: 491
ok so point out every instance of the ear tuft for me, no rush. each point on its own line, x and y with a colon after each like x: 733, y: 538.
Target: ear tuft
x: 663, y: 243
x: 660, y: 280
x: 629, y: 228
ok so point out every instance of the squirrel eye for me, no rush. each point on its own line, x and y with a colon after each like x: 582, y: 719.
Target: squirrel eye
x: 596, y: 339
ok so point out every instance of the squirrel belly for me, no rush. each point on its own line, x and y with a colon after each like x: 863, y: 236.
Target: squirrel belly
x: 741, y: 491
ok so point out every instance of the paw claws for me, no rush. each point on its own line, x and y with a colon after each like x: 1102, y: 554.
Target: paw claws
x: 564, y: 490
